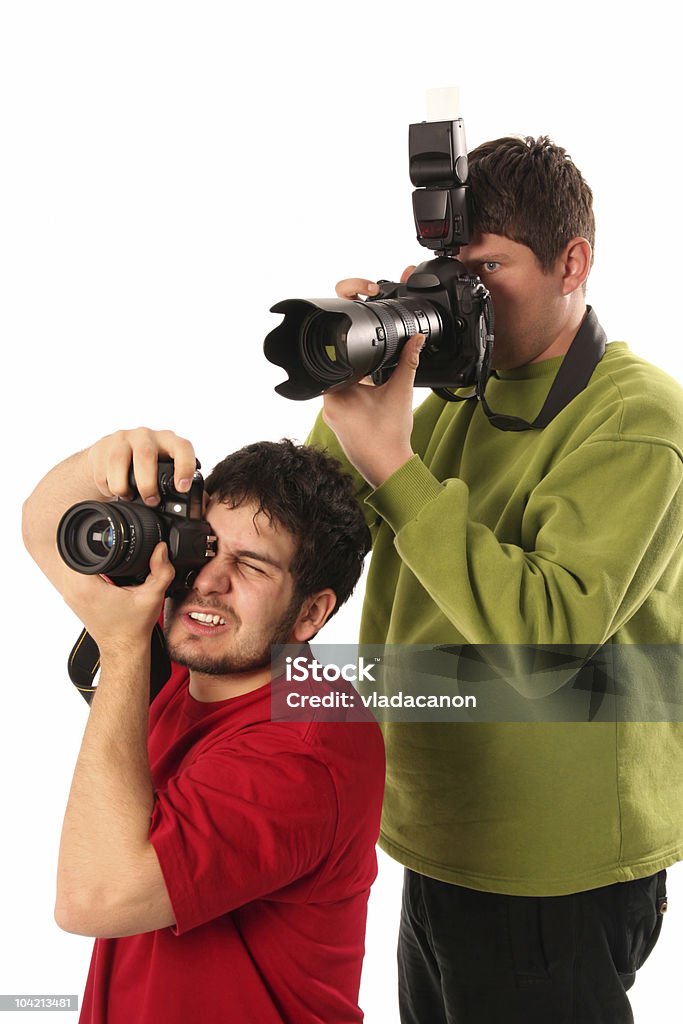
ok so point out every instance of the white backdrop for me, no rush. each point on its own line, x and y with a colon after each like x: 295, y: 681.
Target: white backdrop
x: 168, y: 172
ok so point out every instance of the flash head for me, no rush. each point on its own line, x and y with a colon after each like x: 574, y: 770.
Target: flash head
x: 438, y: 169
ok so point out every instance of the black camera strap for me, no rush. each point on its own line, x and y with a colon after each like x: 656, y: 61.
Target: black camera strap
x: 84, y: 664
x: 583, y: 355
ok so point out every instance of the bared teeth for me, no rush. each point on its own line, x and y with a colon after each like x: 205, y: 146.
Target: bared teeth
x: 207, y: 620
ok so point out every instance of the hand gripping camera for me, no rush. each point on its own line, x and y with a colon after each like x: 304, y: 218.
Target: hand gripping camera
x: 116, y: 539
x: 326, y: 344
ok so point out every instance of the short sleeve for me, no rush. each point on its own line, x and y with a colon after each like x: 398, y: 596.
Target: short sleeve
x: 237, y: 826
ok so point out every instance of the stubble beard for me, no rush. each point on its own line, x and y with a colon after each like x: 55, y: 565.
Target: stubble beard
x: 248, y: 654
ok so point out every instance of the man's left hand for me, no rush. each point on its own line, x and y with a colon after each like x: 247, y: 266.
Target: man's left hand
x: 374, y: 424
x: 120, y: 619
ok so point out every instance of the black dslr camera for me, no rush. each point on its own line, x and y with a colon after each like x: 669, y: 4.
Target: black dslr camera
x: 117, y: 538
x: 325, y: 344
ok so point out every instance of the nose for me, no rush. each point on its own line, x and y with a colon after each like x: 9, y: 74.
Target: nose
x: 213, y: 578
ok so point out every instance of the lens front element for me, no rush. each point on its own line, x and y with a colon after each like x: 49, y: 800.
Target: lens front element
x: 112, y: 538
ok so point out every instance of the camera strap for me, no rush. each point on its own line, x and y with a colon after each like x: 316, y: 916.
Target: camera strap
x: 576, y: 369
x: 84, y: 664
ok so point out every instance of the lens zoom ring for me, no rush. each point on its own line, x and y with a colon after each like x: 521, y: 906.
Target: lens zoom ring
x: 388, y: 316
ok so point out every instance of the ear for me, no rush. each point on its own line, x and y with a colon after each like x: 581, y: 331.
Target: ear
x: 314, y: 613
x: 576, y: 264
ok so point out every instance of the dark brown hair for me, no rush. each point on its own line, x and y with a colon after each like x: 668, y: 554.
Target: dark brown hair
x: 530, y: 191
x: 306, y: 491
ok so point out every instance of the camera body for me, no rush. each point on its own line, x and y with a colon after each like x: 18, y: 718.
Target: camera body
x: 327, y: 344
x: 444, y: 303
x: 117, y: 538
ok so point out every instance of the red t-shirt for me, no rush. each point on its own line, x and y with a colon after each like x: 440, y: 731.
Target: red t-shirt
x: 265, y: 832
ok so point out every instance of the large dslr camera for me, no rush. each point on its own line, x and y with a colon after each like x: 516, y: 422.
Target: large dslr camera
x: 326, y: 344
x: 117, y: 538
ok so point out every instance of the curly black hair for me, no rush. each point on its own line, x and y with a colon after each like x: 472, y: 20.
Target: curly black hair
x: 307, y: 492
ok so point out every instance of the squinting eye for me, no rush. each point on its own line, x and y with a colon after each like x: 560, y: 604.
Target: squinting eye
x: 246, y: 565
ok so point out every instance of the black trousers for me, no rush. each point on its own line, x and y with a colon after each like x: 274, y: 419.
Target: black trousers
x: 468, y: 957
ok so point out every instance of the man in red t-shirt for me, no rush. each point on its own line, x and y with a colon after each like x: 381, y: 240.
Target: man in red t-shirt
x: 222, y: 857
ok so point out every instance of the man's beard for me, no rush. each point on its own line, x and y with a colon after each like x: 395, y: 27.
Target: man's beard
x: 250, y: 654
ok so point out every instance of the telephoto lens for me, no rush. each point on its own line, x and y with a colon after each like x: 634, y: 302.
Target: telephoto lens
x: 327, y: 343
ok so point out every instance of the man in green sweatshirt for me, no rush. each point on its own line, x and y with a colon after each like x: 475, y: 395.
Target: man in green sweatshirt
x: 535, y: 852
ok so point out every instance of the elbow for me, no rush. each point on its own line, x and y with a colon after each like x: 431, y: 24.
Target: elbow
x: 39, y: 537
x: 36, y: 536
x: 104, y: 916
x: 69, y: 920
x: 81, y: 914
x: 28, y: 526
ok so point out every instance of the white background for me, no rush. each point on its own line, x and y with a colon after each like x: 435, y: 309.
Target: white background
x: 168, y: 172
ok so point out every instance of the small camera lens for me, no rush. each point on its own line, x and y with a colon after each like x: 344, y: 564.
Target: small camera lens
x: 114, y: 538
x: 89, y: 536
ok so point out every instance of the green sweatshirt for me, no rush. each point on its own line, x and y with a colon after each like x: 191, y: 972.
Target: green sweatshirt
x: 567, y: 535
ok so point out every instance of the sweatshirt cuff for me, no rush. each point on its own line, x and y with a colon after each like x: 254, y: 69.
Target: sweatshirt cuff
x: 405, y: 493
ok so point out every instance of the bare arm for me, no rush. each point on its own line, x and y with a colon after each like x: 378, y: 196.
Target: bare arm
x: 109, y: 880
x: 69, y: 482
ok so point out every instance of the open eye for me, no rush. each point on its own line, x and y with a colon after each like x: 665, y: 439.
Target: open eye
x: 490, y: 266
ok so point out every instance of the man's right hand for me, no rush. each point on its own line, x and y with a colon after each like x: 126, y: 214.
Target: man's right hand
x: 373, y: 425
x: 360, y: 287
x: 110, y: 460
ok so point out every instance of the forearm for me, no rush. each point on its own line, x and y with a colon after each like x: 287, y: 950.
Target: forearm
x: 321, y: 436
x: 324, y: 437
x: 106, y: 825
